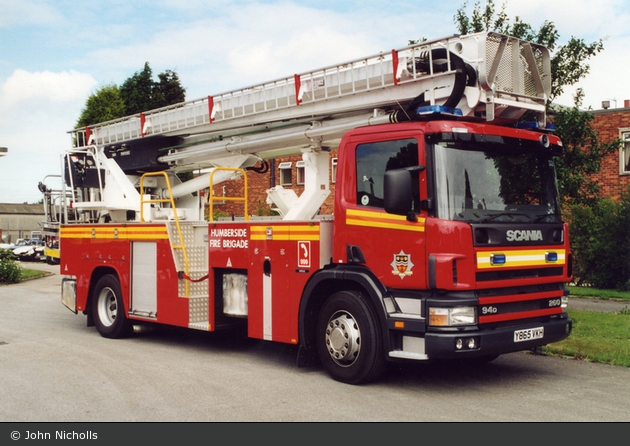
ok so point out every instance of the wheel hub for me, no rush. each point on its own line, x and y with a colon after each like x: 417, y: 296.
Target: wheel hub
x: 107, y: 308
x: 343, y: 338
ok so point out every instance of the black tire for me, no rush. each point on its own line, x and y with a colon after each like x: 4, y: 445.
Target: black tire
x: 349, y: 341
x: 108, y: 309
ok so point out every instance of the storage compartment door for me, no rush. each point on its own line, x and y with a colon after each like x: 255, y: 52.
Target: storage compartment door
x: 143, y: 279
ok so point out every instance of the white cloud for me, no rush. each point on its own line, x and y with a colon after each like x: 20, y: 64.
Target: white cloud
x: 603, y: 81
x: 579, y: 18
x: 254, y: 43
x: 38, y: 109
x: 67, y: 86
x: 28, y: 12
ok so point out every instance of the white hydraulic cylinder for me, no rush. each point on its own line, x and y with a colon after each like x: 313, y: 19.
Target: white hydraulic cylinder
x: 316, y: 187
x: 218, y: 176
x: 199, y: 183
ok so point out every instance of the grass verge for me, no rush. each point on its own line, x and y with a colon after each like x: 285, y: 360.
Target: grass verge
x: 596, y: 337
x: 28, y: 274
x: 596, y: 293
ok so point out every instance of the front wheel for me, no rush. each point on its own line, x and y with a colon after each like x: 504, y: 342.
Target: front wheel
x: 349, y: 341
x: 108, y: 309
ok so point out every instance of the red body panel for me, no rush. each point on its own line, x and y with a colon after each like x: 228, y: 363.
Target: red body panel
x: 107, y: 247
x: 279, y: 258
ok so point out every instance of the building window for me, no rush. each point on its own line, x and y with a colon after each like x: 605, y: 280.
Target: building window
x: 333, y: 170
x: 285, y: 174
x: 300, y: 171
x: 624, y: 157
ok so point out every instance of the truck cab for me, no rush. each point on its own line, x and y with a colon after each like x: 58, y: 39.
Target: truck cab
x: 459, y: 225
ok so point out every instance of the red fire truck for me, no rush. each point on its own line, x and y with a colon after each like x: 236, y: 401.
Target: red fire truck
x: 446, y: 240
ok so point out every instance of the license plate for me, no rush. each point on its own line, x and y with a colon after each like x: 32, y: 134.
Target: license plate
x: 529, y: 334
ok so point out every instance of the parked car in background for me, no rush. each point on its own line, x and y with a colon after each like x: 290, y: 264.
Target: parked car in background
x: 29, y: 249
x: 19, y: 242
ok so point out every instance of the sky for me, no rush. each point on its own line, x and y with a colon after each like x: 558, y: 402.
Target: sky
x: 55, y: 53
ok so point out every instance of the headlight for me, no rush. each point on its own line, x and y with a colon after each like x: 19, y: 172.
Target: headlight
x: 447, y: 317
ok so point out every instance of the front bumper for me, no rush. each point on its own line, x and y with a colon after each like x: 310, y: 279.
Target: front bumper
x: 494, y: 341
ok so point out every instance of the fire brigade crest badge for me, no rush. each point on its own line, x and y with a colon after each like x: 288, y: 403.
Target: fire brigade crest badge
x: 402, y: 265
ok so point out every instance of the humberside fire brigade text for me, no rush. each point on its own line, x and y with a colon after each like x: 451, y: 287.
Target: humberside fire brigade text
x: 229, y: 238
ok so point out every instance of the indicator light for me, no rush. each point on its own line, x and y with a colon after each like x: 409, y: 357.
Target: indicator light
x: 497, y: 259
x: 551, y: 257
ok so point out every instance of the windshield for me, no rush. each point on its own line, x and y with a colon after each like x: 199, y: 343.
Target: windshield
x: 479, y: 183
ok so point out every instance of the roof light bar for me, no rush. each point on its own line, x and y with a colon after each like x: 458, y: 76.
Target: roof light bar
x: 438, y: 109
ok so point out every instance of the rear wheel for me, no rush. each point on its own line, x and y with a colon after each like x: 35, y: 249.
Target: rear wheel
x: 108, y: 309
x: 349, y: 341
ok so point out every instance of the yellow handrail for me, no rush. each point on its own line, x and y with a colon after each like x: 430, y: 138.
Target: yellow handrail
x: 212, y: 198
x: 172, y: 202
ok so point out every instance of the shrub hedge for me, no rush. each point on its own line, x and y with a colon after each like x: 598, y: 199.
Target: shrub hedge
x: 600, y: 241
x: 9, y: 268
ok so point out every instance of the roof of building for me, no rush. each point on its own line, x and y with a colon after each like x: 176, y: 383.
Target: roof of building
x: 610, y: 110
x: 23, y: 209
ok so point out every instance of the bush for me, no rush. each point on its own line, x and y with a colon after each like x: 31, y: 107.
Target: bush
x: 263, y: 209
x: 9, y: 269
x: 600, y: 241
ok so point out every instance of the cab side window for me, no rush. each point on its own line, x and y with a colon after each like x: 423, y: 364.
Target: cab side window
x: 374, y: 159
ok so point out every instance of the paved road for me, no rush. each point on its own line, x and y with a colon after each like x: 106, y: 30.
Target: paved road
x: 603, y: 305
x: 54, y: 368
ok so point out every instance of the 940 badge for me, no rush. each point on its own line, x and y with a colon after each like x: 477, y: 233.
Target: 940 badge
x: 402, y: 265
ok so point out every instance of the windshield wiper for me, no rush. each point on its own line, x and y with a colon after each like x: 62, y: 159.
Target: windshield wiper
x: 501, y: 214
x: 543, y: 216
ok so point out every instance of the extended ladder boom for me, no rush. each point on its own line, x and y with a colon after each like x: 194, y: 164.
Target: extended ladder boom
x: 487, y: 76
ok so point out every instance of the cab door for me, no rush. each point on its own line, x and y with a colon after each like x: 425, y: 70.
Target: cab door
x: 392, y: 246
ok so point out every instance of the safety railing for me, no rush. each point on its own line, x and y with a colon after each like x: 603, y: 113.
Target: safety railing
x: 286, y: 96
x: 512, y: 67
x: 212, y: 197
x: 181, y: 245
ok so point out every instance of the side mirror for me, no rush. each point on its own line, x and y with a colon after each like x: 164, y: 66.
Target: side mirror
x: 398, y: 190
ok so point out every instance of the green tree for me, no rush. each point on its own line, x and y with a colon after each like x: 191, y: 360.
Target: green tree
x: 141, y: 93
x: 168, y: 90
x: 569, y: 62
x: 137, y: 91
x: 600, y: 235
x: 103, y: 105
x: 583, y: 152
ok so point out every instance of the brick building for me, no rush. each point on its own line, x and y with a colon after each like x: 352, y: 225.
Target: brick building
x: 614, y: 176
x: 287, y: 172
